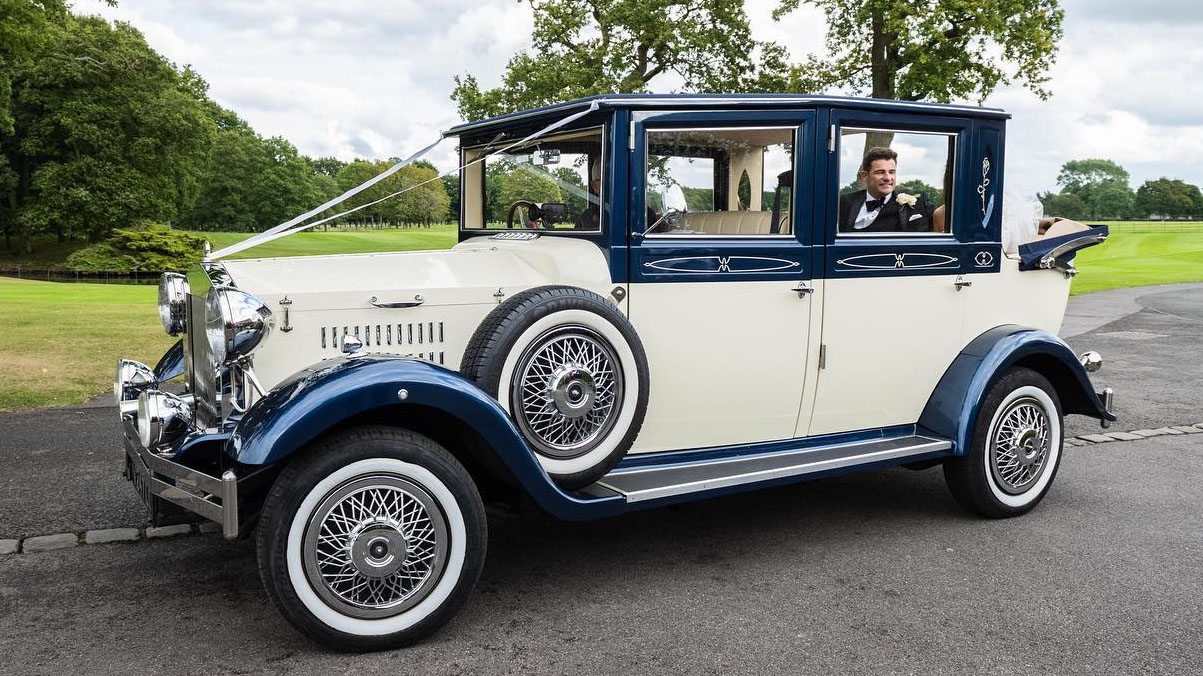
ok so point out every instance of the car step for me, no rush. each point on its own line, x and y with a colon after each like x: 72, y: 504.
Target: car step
x: 649, y: 483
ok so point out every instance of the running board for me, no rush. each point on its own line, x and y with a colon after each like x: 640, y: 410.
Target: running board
x: 649, y: 483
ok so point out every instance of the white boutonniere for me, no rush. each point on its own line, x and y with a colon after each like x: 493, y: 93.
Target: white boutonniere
x: 906, y: 200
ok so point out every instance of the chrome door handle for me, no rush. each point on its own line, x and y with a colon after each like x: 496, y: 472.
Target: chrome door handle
x: 961, y: 283
x: 418, y: 300
x: 803, y: 289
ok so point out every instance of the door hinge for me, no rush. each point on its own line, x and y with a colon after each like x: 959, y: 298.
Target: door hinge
x: 631, y: 136
x: 831, y: 139
x: 822, y: 356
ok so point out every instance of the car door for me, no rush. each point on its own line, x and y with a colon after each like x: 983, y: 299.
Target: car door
x: 720, y: 290
x: 894, y: 294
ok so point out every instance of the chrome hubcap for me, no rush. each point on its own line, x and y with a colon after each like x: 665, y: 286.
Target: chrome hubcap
x: 1020, y: 446
x: 566, y: 391
x: 375, y: 546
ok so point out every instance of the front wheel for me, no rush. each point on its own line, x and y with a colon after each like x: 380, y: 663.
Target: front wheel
x: 372, y: 539
x: 1016, y: 448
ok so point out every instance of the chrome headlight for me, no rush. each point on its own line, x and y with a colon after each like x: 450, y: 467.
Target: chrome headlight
x: 173, y: 302
x: 162, y: 418
x: 235, y: 323
x: 131, y: 379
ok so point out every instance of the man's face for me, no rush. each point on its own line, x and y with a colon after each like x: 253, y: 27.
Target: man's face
x: 880, y: 178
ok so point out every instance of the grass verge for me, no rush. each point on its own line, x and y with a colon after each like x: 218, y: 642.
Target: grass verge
x: 62, y: 341
x: 1137, y: 255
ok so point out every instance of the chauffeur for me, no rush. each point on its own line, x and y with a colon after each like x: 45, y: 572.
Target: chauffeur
x: 878, y: 208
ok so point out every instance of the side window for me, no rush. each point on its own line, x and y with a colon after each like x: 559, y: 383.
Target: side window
x: 895, y: 183
x: 708, y: 182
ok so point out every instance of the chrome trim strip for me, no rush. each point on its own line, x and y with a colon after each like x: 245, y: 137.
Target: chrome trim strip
x: 859, y: 453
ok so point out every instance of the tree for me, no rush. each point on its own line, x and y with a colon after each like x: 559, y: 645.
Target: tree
x: 1169, y: 198
x: 931, y: 50
x: 109, y: 133
x: 451, y: 187
x: 1102, y: 185
x: 1065, y: 205
x: 328, y: 166
x: 1113, y: 200
x: 527, y: 185
x: 24, y: 30
x: 585, y: 47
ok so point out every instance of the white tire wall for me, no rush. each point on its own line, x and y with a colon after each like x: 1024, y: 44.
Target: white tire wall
x: 504, y: 356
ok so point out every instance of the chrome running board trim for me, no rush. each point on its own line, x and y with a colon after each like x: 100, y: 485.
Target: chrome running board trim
x: 650, y: 483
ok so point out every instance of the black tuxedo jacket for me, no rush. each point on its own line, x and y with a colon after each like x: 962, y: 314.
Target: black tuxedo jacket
x: 893, y: 217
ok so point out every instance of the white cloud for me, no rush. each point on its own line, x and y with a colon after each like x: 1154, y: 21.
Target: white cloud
x: 358, y: 77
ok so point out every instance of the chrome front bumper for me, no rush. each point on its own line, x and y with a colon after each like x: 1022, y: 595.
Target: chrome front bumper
x: 156, y: 477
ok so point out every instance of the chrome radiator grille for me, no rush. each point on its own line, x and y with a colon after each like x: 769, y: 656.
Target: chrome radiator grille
x: 199, y: 364
x: 422, y: 340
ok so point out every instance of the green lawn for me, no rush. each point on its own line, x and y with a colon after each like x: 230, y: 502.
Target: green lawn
x: 61, y: 341
x: 1137, y: 254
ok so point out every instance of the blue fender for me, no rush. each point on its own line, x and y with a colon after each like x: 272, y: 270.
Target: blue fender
x: 314, y: 400
x: 952, y: 410
x: 171, y: 364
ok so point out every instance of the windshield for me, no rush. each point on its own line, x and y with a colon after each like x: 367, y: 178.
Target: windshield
x: 554, y: 183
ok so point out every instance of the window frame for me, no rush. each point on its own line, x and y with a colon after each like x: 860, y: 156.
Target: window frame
x: 795, y: 132
x: 483, y: 160
x: 950, y: 162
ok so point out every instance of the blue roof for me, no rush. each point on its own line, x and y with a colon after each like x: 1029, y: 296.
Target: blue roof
x: 712, y: 101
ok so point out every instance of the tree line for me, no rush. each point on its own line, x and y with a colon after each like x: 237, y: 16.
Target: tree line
x: 98, y: 132
x: 1100, y: 189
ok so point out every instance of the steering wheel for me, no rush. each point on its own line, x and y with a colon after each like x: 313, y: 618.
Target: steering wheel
x: 532, y: 213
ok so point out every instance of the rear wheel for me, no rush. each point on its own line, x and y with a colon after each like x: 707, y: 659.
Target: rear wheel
x: 1016, y: 448
x: 372, y: 539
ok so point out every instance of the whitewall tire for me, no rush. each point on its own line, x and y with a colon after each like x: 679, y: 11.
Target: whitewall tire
x: 1016, y: 448
x: 570, y: 370
x: 371, y: 539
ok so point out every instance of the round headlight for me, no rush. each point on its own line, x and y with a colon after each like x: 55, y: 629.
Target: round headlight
x: 131, y: 379
x: 173, y: 302
x: 162, y: 418
x: 235, y: 323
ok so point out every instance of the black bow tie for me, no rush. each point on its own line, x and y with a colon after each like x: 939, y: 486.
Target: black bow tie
x: 872, y: 205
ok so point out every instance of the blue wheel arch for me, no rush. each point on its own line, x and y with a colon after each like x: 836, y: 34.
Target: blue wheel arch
x: 320, y: 398
x: 954, y: 406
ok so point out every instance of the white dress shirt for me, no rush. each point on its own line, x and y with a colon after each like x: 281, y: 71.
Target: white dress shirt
x: 864, y: 217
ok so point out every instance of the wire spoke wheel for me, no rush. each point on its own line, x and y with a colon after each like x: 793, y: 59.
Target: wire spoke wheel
x: 567, y: 389
x: 375, y: 546
x: 1020, y: 445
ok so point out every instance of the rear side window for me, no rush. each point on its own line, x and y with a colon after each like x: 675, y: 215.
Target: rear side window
x: 719, y: 182
x: 895, y: 183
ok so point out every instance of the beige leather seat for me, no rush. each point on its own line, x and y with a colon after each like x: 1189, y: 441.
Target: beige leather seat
x: 734, y: 222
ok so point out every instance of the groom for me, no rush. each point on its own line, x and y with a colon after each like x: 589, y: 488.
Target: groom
x: 878, y: 208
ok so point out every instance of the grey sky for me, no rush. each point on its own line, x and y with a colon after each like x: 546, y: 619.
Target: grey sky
x: 358, y: 78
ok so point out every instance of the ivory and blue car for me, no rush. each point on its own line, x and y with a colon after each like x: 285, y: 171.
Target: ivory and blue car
x: 653, y: 300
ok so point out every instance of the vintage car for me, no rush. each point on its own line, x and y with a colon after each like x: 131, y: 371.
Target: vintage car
x: 654, y: 299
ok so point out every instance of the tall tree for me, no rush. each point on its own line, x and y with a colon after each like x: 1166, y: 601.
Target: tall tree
x: 24, y: 30
x: 585, y: 47
x: 1102, y: 185
x: 931, y: 50
x: 1169, y: 198
x: 110, y: 133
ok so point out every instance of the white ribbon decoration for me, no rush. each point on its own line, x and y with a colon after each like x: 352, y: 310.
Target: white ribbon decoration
x: 286, y: 228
